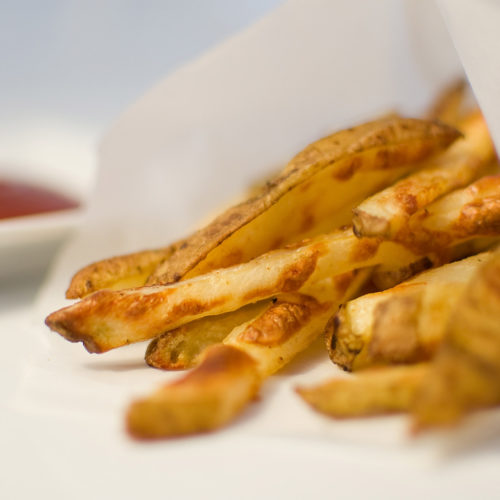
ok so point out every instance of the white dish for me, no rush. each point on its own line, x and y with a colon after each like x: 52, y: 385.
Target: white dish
x: 28, y: 243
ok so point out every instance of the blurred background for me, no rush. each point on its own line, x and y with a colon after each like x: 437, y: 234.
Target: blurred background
x: 70, y: 67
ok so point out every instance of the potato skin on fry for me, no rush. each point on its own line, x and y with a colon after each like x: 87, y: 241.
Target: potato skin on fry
x: 370, y: 392
x: 206, y: 398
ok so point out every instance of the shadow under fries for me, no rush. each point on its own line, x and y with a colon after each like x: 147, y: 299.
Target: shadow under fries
x: 117, y: 366
x: 306, y: 360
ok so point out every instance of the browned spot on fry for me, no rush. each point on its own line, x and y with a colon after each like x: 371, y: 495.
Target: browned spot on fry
x: 481, y: 217
x: 383, y: 158
x: 291, y: 278
x: 348, y: 168
x: 277, y: 243
x: 193, y: 307
x: 364, y: 249
x: 387, y: 158
x: 408, y: 201
x: 279, y: 322
x: 137, y: 307
x: 308, y: 221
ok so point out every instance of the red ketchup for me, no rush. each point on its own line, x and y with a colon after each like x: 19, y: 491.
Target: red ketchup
x: 20, y: 198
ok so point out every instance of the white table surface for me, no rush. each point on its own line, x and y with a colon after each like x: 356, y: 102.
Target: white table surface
x: 59, y: 458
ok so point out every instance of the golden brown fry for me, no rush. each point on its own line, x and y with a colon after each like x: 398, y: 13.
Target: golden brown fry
x: 252, y: 228
x: 109, y: 319
x: 459, y: 216
x: 464, y: 221
x: 208, y: 397
x: 403, y: 324
x: 179, y: 349
x: 116, y: 273
x: 465, y: 374
x: 449, y: 105
x: 370, y: 392
x: 386, y: 213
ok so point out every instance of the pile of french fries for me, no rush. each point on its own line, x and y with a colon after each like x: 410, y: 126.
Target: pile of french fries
x: 381, y: 237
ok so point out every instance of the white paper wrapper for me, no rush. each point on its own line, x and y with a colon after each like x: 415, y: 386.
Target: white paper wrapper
x: 193, y: 143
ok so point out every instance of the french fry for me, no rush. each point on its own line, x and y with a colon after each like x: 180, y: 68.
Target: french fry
x: 386, y: 213
x: 315, y: 184
x: 459, y: 216
x: 208, y: 397
x: 403, y: 324
x: 463, y: 221
x: 370, y: 392
x: 116, y: 273
x: 465, y: 374
x: 179, y: 349
x: 109, y: 319
x: 213, y: 393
